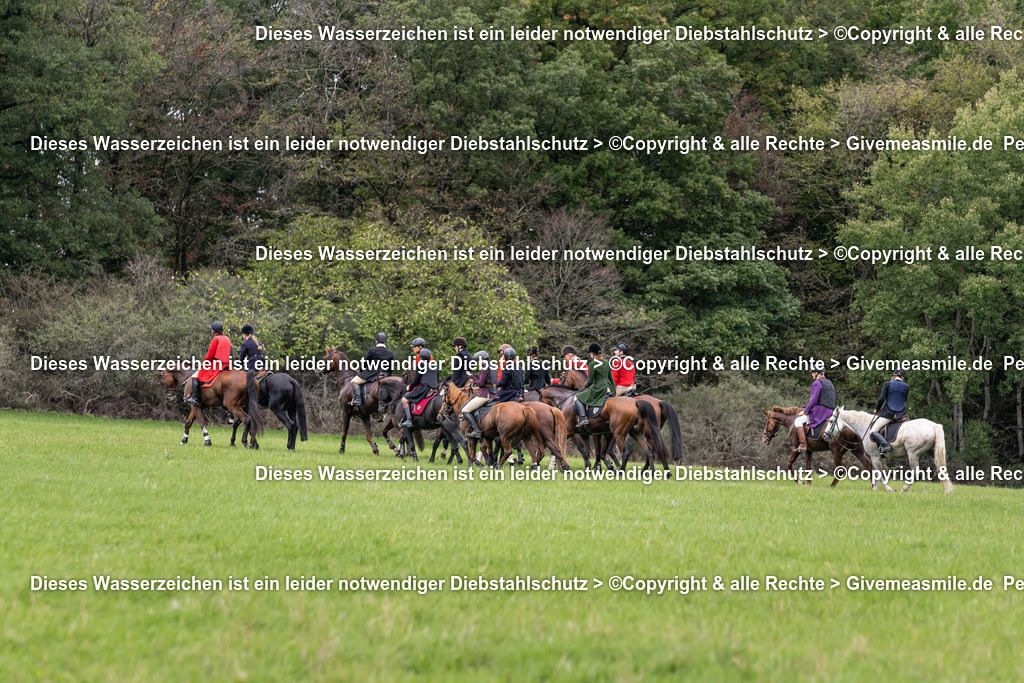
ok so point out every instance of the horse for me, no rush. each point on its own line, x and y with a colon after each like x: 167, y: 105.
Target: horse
x: 333, y: 361
x: 915, y: 438
x: 575, y: 379
x: 231, y: 389
x: 391, y: 392
x: 846, y: 440
x: 508, y: 421
x: 283, y: 395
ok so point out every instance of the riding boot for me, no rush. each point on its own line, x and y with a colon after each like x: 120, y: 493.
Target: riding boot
x: 581, y: 415
x: 407, y: 422
x: 357, y: 394
x: 883, y: 445
x: 801, y: 434
x: 193, y: 393
x: 475, y: 432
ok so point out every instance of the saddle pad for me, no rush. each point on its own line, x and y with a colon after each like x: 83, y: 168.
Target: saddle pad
x: 815, y: 432
x: 594, y: 411
x: 417, y: 408
x: 485, y: 408
x: 891, y: 430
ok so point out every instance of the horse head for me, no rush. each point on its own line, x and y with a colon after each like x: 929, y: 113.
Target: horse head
x: 170, y: 383
x: 771, y: 426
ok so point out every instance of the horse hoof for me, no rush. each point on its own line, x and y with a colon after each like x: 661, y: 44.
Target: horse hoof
x: 207, y: 443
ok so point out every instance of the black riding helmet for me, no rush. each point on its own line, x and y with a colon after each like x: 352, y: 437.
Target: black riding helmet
x: 510, y: 354
x: 217, y: 327
x: 595, y: 348
x: 459, y: 341
x: 248, y: 329
x: 424, y: 354
x: 567, y: 350
x: 534, y: 351
x: 380, y: 338
x: 621, y: 346
x: 418, y: 341
x: 901, y: 373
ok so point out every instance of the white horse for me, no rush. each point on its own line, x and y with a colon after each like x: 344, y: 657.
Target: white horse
x: 915, y: 438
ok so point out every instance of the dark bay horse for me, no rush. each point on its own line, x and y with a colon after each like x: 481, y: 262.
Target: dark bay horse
x: 235, y: 390
x: 845, y: 440
x: 337, y: 362
x: 391, y: 392
x: 283, y: 395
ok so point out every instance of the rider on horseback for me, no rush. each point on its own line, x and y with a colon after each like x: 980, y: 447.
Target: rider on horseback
x: 819, y: 407
x: 376, y: 363
x: 250, y: 354
x: 891, y: 406
x: 536, y: 377
x: 623, y: 371
x: 217, y: 360
x: 485, y: 381
x: 510, y: 384
x: 461, y: 367
x: 599, y: 385
x: 423, y: 382
x: 574, y: 362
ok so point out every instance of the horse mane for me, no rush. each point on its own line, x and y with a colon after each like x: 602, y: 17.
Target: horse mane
x: 856, y: 418
x: 785, y: 411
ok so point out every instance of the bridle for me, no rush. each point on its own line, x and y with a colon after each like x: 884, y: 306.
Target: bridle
x: 771, y: 427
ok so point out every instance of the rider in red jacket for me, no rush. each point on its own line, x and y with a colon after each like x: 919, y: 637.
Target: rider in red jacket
x: 623, y: 371
x: 217, y: 360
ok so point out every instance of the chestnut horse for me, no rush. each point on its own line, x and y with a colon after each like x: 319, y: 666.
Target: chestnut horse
x: 233, y: 389
x: 508, y: 421
x: 845, y: 440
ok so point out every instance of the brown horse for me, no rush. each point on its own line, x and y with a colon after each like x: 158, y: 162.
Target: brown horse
x: 337, y: 362
x: 233, y: 389
x: 845, y: 440
x: 575, y: 379
x: 508, y: 421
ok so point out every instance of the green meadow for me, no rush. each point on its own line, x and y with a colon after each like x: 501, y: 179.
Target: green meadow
x: 81, y: 497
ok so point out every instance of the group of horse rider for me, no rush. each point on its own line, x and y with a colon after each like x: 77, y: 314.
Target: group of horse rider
x: 502, y: 380
x: 891, y: 406
x: 218, y: 359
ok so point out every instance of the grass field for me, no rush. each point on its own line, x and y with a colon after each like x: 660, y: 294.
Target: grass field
x: 81, y: 497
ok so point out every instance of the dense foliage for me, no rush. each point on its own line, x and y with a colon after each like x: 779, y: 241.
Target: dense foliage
x: 79, y: 223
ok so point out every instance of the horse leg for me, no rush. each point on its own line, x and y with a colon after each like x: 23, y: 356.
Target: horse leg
x: 410, y: 443
x: 234, y: 430
x: 241, y: 417
x: 188, y: 424
x: 369, y: 433
x: 915, y: 462
x: 346, y: 419
x: 277, y: 407
x: 202, y: 423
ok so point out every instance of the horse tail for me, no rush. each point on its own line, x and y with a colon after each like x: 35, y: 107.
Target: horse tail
x: 668, y: 413
x: 418, y: 435
x: 940, y: 453
x: 253, y: 411
x: 650, y: 420
x: 300, y: 409
x: 561, y: 433
x: 533, y: 429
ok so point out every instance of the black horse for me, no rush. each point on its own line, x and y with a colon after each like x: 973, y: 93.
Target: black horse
x: 390, y: 395
x: 283, y: 395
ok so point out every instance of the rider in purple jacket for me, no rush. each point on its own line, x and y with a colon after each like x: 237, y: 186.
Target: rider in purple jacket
x: 820, y: 405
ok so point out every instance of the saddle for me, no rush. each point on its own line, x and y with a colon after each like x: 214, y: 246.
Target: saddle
x: 417, y: 408
x: 485, y: 408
